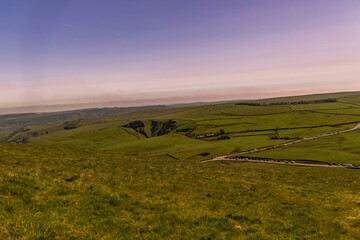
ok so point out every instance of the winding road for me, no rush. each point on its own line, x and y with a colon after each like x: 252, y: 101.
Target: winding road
x: 228, y: 156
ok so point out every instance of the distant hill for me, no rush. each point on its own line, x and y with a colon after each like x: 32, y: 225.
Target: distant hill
x: 14, y: 121
x: 309, y: 97
x: 11, y: 122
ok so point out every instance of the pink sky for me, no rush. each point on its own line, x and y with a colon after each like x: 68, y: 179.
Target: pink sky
x: 258, y: 50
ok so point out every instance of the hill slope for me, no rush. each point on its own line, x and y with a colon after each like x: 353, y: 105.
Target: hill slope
x: 53, y: 192
x: 138, y: 175
x: 203, y: 132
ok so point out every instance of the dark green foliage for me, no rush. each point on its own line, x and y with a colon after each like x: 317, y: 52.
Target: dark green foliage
x: 13, y: 133
x: 152, y: 128
x: 22, y: 136
x: 159, y: 128
x: 327, y: 100
x: 204, y: 154
x: 135, y: 125
x: 71, y: 124
x: 224, y: 137
x: 277, y: 137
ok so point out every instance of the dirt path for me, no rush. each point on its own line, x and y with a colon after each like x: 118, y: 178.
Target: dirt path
x: 227, y: 157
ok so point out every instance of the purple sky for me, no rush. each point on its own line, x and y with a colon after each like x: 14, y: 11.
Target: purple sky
x: 54, y: 52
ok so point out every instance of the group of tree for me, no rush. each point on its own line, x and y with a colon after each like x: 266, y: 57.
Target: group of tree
x: 327, y: 100
x: 277, y: 137
x: 221, y: 135
x: 71, y: 124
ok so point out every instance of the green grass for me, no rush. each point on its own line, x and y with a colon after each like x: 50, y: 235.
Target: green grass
x: 105, y: 181
x: 342, y: 148
x: 53, y: 192
x: 248, y: 126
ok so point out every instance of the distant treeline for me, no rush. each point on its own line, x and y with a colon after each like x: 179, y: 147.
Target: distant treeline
x: 327, y: 100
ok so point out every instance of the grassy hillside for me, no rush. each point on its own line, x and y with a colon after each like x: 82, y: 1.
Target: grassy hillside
x: 53, y: 192
x: 334, y: 149
x: 203, y: 132
x: 138, y: 175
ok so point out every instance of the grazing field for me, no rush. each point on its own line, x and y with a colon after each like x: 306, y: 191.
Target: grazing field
x: 139, y: 175
x: 344, y: 148
x: 53, y: 192
x: 203, y: 132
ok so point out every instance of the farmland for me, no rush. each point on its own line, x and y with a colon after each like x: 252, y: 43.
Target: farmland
x: 196, y: 130
x: 139, y: 174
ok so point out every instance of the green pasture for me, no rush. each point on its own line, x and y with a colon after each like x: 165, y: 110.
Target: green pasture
x: 59, y: 192
x: 343, y: 148
x: 102, y: 180
x: 248, y: 127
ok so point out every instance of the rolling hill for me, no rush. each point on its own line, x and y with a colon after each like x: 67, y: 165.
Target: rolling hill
x: 138, y: 175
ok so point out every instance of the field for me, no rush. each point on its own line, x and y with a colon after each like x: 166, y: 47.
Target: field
x: 138, y: 175
x: 61, y: 192
x: 332, y: 149
x: 243, y: 127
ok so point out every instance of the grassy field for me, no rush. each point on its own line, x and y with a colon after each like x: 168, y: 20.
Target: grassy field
x: 335, y: 149
x: 247, y: 127
x: 57, y: 192
x: 139, y: 175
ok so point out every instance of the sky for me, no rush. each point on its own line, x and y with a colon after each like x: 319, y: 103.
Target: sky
x: 141, y: 52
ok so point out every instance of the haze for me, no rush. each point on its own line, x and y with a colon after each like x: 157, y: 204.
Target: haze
x: 139, y: 52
